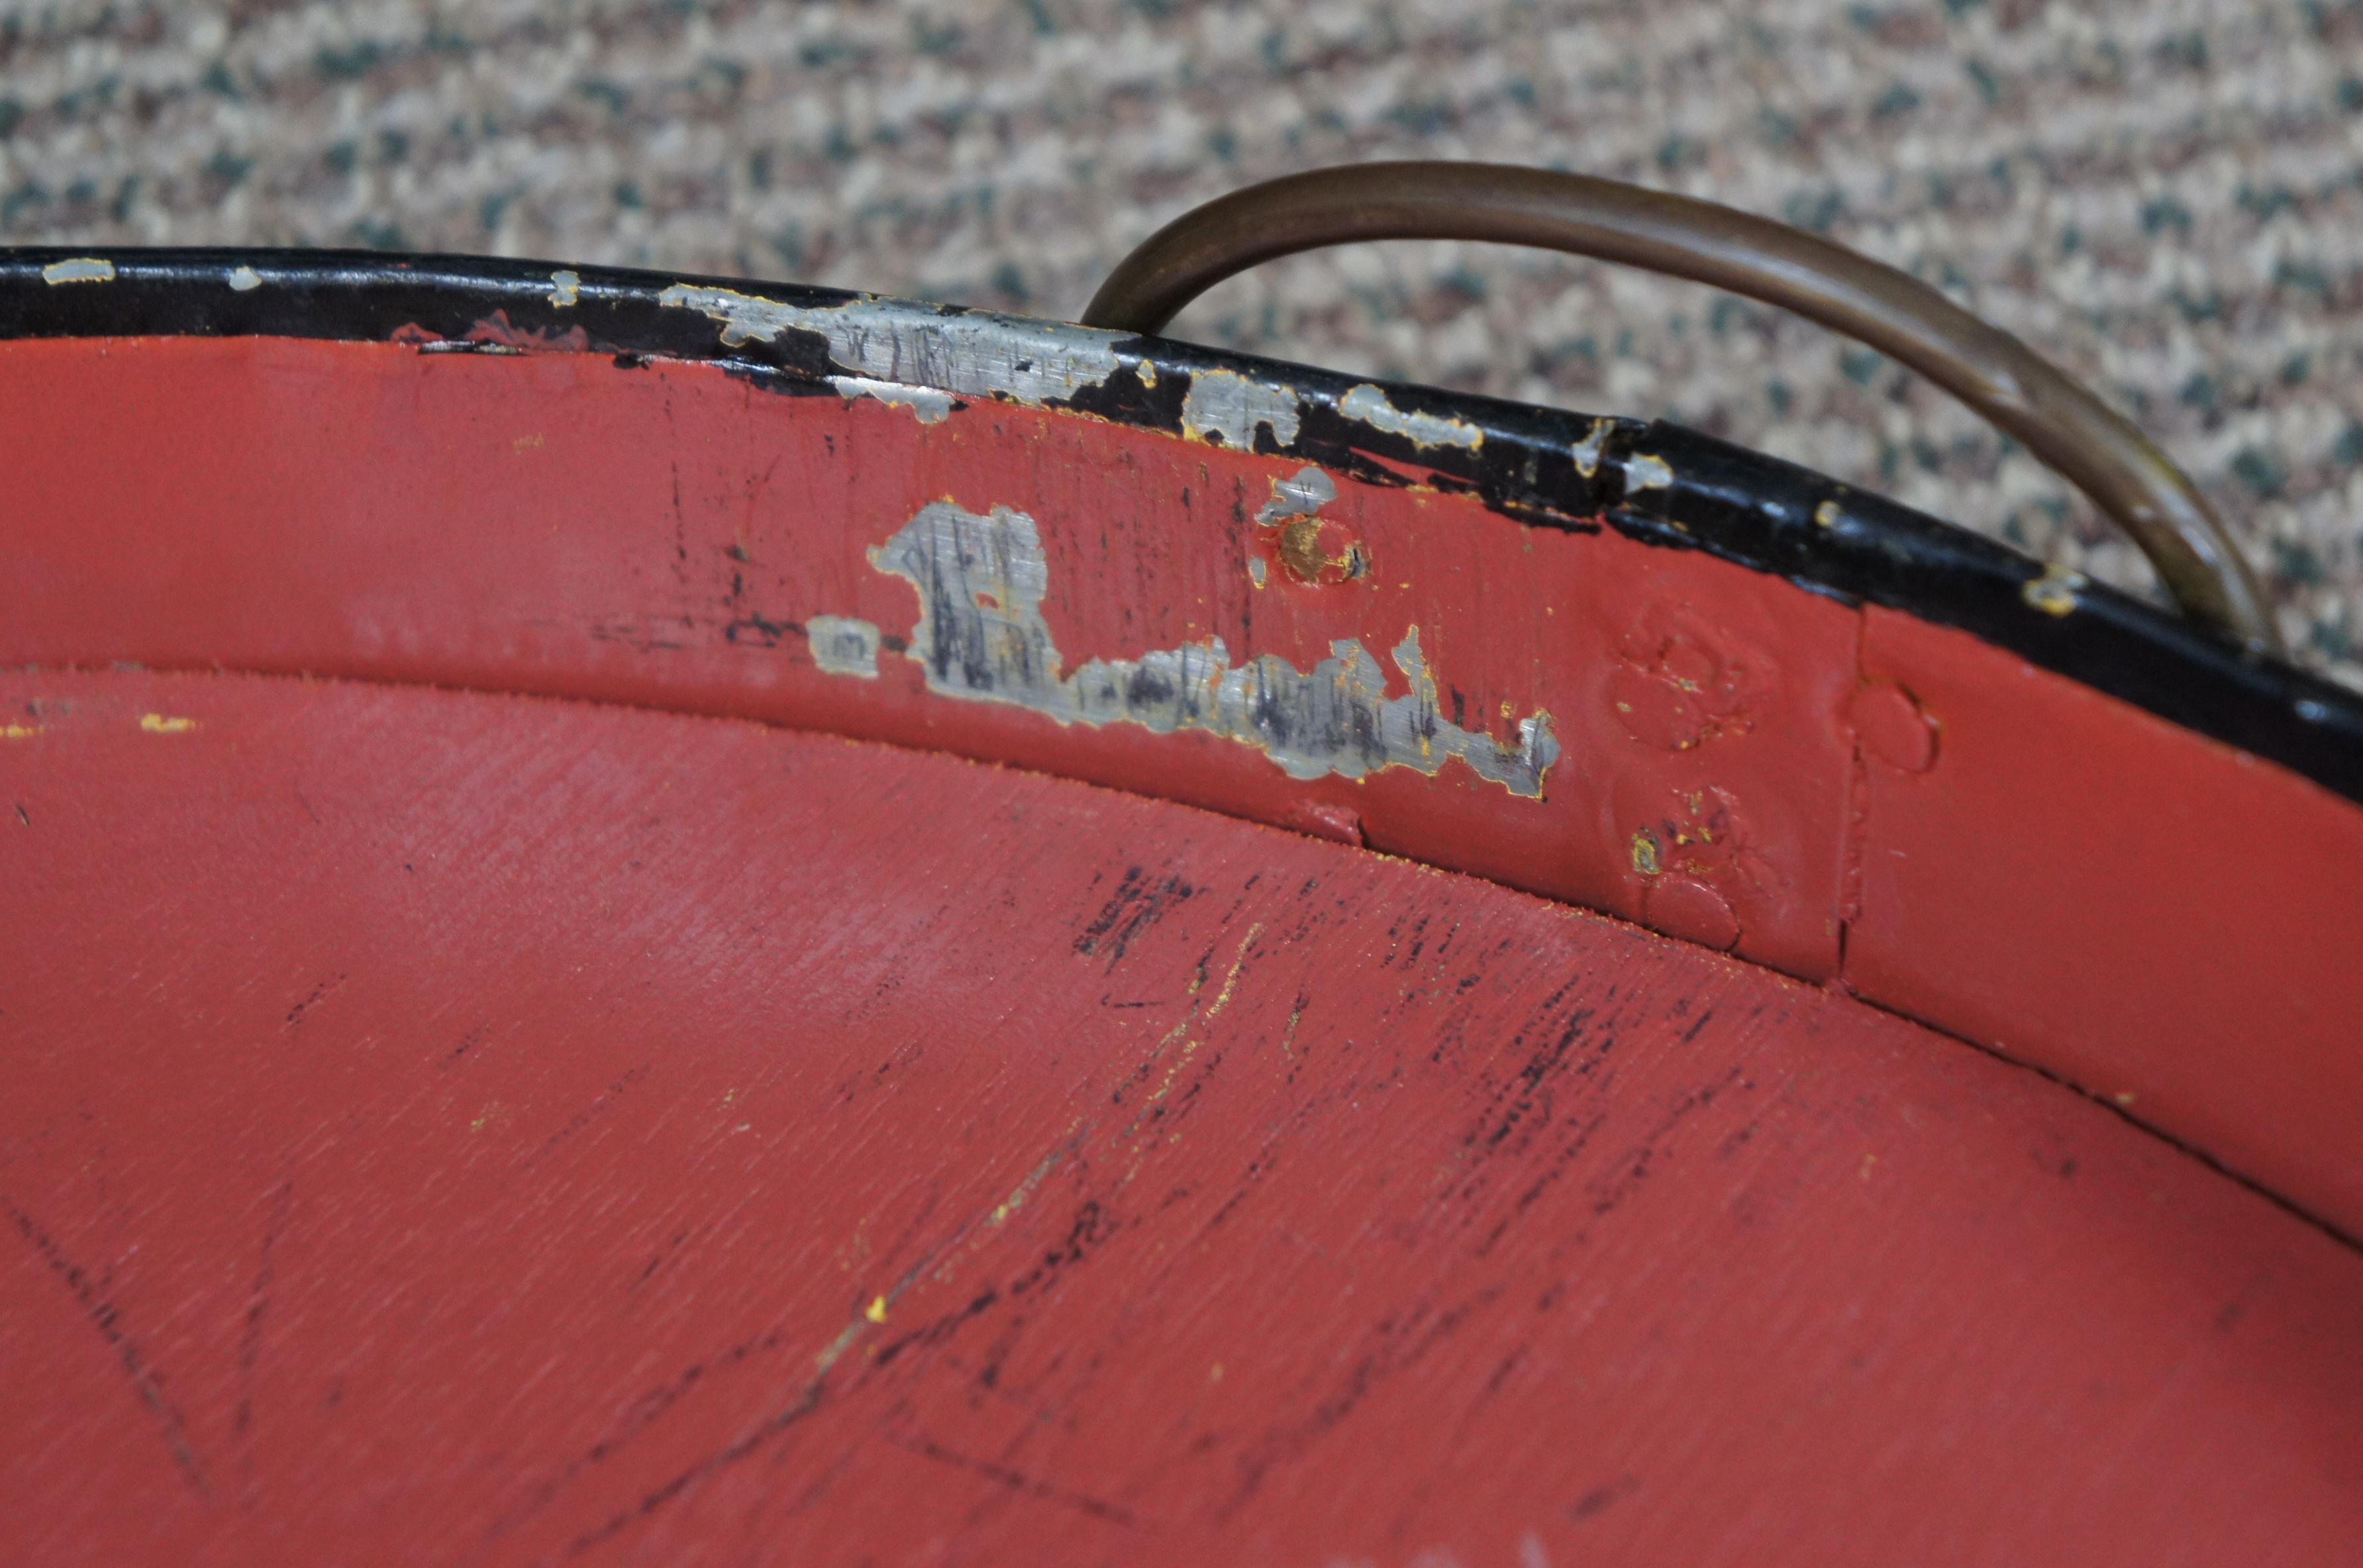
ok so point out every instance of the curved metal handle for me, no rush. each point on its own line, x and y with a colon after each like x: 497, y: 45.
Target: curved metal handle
x: 2070, y: 430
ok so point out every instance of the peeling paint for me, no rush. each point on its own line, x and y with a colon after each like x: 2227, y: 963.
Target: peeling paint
x: 1586, y: 452
x: 1369, y: 405
x: 79, y: 269
x: 981, y: 637
x: 1315, y: 549
x: 20, y: 732
x: 1300, y: 494
x: 973, y: 354
x: 1256, y: 570
x: 931, y: 406
x: 243, y: 279
x: 1145, y: 373
x: 1643, y: 472
x: 158, y: 724
x: 1226, y: 403
x: 843, y: 644
x: 2054, y: 592
x: 565, y: 288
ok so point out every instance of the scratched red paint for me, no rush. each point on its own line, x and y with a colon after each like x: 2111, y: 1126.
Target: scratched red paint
x: 553, y: 523
x: 457, y: 1127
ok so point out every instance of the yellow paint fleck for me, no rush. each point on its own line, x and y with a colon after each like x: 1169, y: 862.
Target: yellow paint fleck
x: 876, y: 1310
x: 2124, y: 1097
x: 522, y: 442
x: 1826, y: 515
x: 1868, y: 1161
x: 158, y: 725
x: 492, y: 1108
x: 20, y: 732
x: 1645, y: 853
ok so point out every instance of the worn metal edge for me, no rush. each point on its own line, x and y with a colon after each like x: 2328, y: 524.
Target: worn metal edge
x: 1652, y: 481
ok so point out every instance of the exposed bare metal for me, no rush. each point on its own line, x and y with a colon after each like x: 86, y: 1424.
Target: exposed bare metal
x: 2065, y: 425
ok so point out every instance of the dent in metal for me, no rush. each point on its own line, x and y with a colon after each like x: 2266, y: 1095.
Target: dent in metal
x: 1311, y: 554
x: 930, y: 405
x: 1226, y: 403
x: 565, y: 288
x: 1643, y: 472
x: 79, y: 269
x: 981, y: 637
x: 843, y: 644
x: 1369, y: 405
x: 974, y: 354
x: 244, y: 279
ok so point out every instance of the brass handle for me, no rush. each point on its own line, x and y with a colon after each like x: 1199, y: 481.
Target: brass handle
x: 2070, y: 430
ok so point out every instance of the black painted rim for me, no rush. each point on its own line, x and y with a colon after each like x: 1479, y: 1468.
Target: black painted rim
x: 1733, y: 504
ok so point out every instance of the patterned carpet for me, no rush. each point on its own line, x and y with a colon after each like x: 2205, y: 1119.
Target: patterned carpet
x: 2166, y: 195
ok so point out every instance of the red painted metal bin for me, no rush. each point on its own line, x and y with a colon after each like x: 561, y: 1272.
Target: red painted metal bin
x: 655, y: 921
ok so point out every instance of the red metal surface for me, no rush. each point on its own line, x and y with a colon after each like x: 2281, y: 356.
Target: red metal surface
x: 2074, y: 875
x: 465, y: 1129
x: 1733, y: 745
x: 549, y: 523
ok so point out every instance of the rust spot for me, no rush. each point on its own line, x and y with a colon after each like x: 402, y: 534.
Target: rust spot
x: 1314, y: 549
x: 1317, y: 550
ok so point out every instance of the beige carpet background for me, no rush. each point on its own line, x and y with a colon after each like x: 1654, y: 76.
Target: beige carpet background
x: 2166, y: 195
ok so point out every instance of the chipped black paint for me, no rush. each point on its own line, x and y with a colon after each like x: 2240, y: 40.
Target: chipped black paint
x: 1728, y: 502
